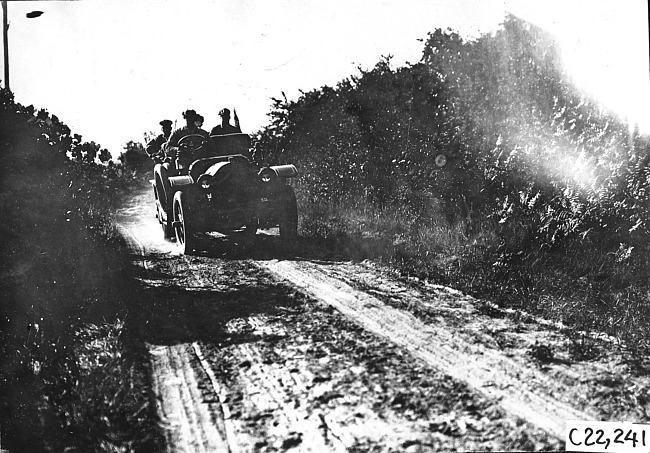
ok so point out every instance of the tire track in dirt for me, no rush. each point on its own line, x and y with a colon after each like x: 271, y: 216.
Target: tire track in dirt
x: 188, y: 422
x: 345, y: 389
x: 484, y: 369
x: 592, y: 372
x: 282, y: 391
x: 271, y: 389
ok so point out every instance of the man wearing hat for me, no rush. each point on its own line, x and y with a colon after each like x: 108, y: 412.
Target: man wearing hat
x: 225, y: 127
x: 154, y: 147
x: 172, y: 146
x: 198, y: 121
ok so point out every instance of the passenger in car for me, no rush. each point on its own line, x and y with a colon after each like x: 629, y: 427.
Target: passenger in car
x: 225, y: 127
x: 198, y: 122
x: 154, y: 148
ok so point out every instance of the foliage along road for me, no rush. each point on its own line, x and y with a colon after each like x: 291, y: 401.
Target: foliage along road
x: 254, y: 348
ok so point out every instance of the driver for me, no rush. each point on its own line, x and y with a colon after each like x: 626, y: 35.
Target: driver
x: 190, y: 128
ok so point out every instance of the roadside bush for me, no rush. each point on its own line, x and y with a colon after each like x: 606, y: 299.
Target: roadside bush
x: 63, y: 267
x: 56, y: 199
x: 538, y: 179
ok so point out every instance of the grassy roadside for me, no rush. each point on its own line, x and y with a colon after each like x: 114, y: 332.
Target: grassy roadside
x: 78, y: 380
x: 593, y: 286
x: 73, y: 374
x: 100, y: 393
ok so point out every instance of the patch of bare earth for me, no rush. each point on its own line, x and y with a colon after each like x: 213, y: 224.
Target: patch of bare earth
x: 543, y: 372
x: 277, y: 371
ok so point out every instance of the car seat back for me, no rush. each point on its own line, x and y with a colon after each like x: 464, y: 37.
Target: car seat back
x: 232, y: 144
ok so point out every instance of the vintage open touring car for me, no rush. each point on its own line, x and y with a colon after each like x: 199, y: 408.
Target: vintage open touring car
x: 225, y: 193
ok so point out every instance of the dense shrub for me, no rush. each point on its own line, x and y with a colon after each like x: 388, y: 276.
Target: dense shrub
x: 56, y: 194
x: 522, y: 145
x: 62, y: 268
x: 536, y: 172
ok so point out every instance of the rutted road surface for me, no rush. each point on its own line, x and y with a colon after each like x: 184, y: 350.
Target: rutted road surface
x: 256, y: 349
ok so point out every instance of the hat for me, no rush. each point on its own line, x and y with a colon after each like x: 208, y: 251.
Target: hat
x: 224, y: 112
x: 189, y: 114
x: 167, y: 123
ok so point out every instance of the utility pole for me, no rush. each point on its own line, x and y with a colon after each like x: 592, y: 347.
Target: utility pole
x: 5, y: 29
x: 5, y: 40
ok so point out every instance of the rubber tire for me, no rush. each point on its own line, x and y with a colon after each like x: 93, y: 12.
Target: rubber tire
x: 165, y: 223
x: 155, y: 197
x: 289, y: 217
x: 183, y: 230
x: 162, y: 193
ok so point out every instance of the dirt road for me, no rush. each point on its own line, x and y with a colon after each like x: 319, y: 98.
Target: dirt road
x: 257, y: 349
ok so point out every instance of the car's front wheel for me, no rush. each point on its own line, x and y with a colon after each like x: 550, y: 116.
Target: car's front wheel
x: 162, y: 190
x: 182, y: 227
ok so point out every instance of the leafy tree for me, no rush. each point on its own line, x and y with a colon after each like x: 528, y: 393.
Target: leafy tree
x: 134, y: 158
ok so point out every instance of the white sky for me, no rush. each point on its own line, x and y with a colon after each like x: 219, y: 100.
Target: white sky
x: 112, y: 69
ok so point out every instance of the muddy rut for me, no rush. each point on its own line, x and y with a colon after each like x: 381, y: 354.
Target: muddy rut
x: 254, y: 348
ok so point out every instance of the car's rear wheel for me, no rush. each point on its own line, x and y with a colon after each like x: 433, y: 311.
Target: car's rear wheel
x: 289, y: 216
x: 155, y: 196
x: 182, y: 226
x: 162, y: 192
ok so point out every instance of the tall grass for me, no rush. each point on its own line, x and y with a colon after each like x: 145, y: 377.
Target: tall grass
x: 99, y: 393
x: 587, y: 285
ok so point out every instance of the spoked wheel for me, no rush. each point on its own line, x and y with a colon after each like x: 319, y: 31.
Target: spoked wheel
x: 184, y: 234
x: 162, y: 190
x: 289, y: 217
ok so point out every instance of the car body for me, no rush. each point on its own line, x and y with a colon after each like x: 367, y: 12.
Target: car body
x: 226, y: 193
